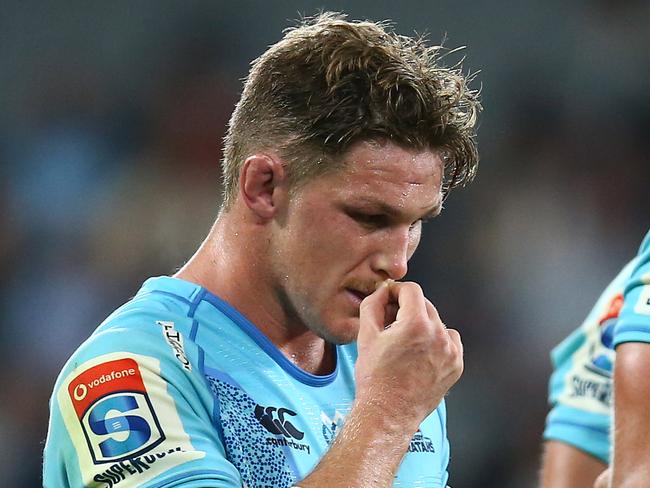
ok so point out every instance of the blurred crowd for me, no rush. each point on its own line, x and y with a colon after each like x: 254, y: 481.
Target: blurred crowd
x: 110, y: 139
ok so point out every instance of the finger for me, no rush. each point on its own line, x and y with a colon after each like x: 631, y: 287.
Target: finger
x: 432, y: 312
x: 390, y: 311
x: 372, y: 313
x: 454, y: 337
x: 410, y: 300
x: 390, y: 314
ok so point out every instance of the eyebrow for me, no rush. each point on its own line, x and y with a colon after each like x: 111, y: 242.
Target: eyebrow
x: 434, y: 211
x: 382, y: 207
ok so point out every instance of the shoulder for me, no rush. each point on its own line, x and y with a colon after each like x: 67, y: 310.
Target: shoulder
x: 580, y: 388
x: 129, y: 352
x: 157, y: 321
x: 133, y: 396
x: 141, y: 347
x: 134, y: 329
x: 634, y: 323
x: 586, y: 356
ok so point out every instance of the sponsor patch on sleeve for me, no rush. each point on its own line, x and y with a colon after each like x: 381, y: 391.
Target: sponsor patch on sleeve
x: 122, y: 421
x: 643, y: 303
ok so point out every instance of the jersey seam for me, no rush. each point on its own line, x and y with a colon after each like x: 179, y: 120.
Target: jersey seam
x: 268, y: 347
x: 185, y: 476
x: 190, y: 313
x: 173, y: 295
x: 580, y: 426
x: 632, y: 328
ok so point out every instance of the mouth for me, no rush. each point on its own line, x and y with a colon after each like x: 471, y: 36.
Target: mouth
x: 357, y: 296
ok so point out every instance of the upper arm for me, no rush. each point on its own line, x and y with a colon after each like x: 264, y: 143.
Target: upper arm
x: 580, y: 392
x: 577, y: 428
x: 631, y: 460
x: 565, y: 466
x: 133, y: 416
x: 581, y: 384
x: 631, y: 455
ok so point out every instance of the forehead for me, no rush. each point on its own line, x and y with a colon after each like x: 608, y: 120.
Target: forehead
x: 377, y: 160
x: 390, y: 171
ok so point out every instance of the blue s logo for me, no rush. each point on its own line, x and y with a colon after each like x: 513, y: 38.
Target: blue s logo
x: 136, y: 427
x: 121, y: 426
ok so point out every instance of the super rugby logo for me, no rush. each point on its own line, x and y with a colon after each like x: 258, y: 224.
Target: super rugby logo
x: 115, y: 412
x: 602, y: 352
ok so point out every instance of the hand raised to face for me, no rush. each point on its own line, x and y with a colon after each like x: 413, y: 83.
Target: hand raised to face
x: 408, y: 359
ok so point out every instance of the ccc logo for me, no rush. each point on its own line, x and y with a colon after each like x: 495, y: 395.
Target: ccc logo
x: 275, y: 421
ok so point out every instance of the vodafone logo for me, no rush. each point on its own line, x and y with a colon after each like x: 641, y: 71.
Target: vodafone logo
x: 113, y: 375
x: 102, y: 379
x: 80, y: 392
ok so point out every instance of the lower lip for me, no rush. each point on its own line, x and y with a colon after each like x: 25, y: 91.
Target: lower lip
x: 354, y: 297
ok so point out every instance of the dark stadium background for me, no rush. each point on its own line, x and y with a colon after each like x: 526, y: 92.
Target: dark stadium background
x: 110, y: 121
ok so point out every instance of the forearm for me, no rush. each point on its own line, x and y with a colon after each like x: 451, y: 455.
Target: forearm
x: 565, y: 466
x: 366, y: 453
x: 402, y: 374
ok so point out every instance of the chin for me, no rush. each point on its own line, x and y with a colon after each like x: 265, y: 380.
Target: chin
x: 343, y: 331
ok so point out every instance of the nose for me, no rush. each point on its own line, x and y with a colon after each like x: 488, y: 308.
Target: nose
x: 393, y: 253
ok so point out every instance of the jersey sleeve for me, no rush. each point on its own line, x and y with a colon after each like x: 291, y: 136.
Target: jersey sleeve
x: 441, y: 412
x: 580, y: 388
x: 634, y: 322
x: 573, y: 418
x: 131, y: 409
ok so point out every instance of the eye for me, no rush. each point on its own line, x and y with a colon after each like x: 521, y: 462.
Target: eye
x: 420, y: 222
x: 417, y: 224
x: 370, y: 220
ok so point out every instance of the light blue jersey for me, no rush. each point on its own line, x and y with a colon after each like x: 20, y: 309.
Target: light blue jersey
x: 580, y: 389
x: 177, y: 388
x: 634, y: 323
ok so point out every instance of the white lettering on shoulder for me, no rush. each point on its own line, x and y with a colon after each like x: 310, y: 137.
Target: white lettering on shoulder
x: 175, y: 341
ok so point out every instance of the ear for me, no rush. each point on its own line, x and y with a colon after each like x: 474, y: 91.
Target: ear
x: 261, y: 182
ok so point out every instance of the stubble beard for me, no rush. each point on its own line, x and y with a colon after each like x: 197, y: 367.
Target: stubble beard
x: 301, y: 316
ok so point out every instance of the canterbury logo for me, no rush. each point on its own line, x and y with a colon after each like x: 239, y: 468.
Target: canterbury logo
x: 275, y: 421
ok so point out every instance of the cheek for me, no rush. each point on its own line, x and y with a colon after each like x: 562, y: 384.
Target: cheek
x: 320, y: 242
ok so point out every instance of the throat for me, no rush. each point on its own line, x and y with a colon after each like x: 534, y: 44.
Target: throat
x: 317, y: 359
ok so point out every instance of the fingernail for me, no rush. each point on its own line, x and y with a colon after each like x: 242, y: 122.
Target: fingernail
x: 387, y: 283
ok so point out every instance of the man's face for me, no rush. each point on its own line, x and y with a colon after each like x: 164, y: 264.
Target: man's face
x: 347, y: 231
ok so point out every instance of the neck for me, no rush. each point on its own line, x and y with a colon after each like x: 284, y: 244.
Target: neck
x: 231, y: 258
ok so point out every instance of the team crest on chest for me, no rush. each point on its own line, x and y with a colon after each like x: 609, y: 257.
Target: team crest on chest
x: 331, y: 425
